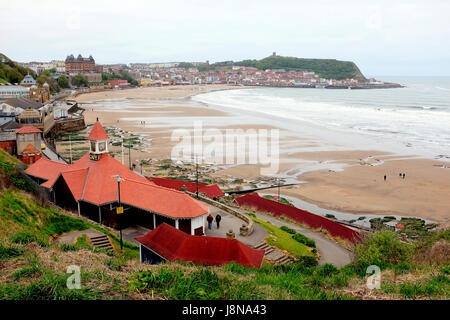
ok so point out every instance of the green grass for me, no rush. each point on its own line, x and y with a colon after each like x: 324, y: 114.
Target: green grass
x: 283, y: 240
x: 281, y: 200
x: 233, y: 281
x: 21, y: 214
x: 50, y: 286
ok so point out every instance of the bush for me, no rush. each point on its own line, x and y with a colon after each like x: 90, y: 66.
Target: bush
x: 288, y: 230
x: 327, y: 270
x: 308, y: 261
x: 302, y: 239
x: 382, y: 249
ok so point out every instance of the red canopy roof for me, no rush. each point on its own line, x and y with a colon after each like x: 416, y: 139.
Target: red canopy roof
x: 92, y: 181
x: 175, y: 245
x: 211, y: 191
x: 97, y: 132
x: 28, y: 129
x: 30, y: 149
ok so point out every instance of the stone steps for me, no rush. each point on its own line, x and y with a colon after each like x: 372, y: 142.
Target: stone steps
x: 101, y: 242
x: 273, y: 254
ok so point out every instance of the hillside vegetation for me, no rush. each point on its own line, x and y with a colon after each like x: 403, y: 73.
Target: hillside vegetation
x: 10, y: 72
x: 33, y: 266
x: 325, y: 68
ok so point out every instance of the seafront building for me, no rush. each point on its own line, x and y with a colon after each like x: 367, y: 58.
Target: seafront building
x: 97, y: 185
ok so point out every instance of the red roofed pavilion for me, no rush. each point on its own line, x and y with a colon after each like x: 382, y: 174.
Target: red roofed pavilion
x: 167, y: 243
x: 89, y: 185
x: 212, y: 191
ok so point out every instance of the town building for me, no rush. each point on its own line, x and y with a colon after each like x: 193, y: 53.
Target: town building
x: 8, y: 137
x: 79, y: 65
x: 11, y: 91
x: 40, y: 94
x: 166, y: 243
x: 97, y: 186
x: 118, y: 83
x: 28, y: 81
x: 28, y: 144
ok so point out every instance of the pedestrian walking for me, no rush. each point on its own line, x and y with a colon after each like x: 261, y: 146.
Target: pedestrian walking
x: 218, y: 218
x: 210, y: 220
x: 403, y: 176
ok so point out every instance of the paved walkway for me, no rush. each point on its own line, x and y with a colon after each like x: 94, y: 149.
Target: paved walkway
x: 232, y: 222
x: 71, y: 237
x: 330, y: 251
x: 129, y: 234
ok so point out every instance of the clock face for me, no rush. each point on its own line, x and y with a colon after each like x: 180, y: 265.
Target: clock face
x: 102, y: 146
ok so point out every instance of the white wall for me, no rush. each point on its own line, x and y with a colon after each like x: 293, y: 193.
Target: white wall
x: 198, y: 222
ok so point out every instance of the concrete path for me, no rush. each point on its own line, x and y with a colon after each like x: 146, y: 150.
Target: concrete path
x: 71, y: 237
x: 129, y: 234
x: 232, y: 222
x: 330, y: 251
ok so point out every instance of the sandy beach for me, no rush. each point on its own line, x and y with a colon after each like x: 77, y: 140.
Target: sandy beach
x: 345, y: 180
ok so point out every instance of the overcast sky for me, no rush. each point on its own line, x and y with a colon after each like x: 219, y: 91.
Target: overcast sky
x: 382, y: 37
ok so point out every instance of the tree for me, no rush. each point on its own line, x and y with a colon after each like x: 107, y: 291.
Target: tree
x: 63, y: 82
x: 80, y: 81
x: 52, y: 83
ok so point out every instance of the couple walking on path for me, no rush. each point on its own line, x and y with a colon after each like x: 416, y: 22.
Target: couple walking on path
x: 210, y: 220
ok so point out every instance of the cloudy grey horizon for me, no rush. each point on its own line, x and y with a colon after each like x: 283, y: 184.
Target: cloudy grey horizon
x: 390, y: 38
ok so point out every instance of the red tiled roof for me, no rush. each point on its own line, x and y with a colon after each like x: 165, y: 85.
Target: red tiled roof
x: 28, y: 129
x: 175, y: 245
x: 97, y: 132
x: 92, y: 181
x: 46, y: 169
x: 211, y: 191
x: 30, y: 149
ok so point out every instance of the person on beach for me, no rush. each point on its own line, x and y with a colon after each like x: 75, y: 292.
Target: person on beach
x: 403, y: 176
x: 384, y: 177
x: 218, y: 218
x: 210, y: 220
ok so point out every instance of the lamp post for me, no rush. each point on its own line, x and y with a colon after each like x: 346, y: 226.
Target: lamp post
x: 279, y: 190
x: 196, y: 169
x: 119, y: 209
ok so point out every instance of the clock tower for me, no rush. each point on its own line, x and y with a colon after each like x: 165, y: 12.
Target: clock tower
x: 98, y: 142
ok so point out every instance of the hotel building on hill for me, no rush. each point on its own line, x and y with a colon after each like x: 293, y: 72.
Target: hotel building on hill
x: 79, y: 64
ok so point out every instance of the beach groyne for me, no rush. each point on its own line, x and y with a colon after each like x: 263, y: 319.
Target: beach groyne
x: 253, y: 200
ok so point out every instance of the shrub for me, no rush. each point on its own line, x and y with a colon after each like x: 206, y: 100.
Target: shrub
x: 302, y: 239
x: 288, y: 230
x: 308, y: 261
x: 382, y: 249
x: 327, y: 270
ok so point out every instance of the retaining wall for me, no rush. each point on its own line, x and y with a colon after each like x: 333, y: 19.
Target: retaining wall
x: 276, y: 208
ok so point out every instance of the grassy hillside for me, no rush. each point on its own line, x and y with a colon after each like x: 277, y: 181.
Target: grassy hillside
x: 325, y: 68
x: 11, y: 72
x: 32, y: 266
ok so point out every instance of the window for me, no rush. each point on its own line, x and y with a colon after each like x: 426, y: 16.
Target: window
x: 93, y: 149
